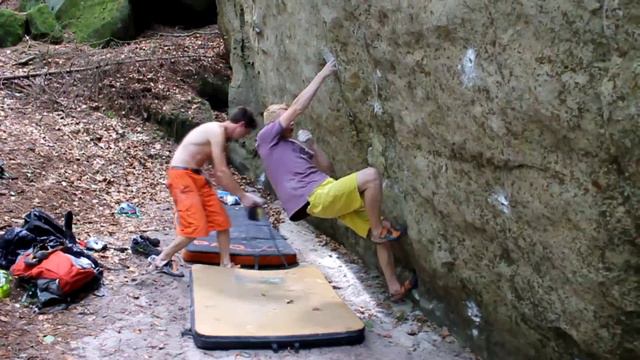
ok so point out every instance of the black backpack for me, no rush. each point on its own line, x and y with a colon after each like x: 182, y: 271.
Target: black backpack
x: 41, y: 225
x: 12, y: 242
x: 39, y: 230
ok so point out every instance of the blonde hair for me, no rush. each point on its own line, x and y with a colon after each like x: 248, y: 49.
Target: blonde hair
x: 271, y: 112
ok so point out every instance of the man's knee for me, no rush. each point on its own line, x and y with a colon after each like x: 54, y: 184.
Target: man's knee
x: 370, y: 176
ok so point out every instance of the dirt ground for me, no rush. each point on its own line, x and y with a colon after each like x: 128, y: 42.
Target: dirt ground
x: 69, y: 152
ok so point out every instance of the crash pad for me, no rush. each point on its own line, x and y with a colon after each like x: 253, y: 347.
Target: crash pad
x: 276, y: 309
x: 253, y: 243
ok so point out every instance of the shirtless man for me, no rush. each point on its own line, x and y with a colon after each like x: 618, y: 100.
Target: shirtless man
x: 198, y: 209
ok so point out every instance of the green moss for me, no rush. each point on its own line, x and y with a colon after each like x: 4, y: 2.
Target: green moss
x: 26, y: 5
x: 43, y: 24
x: 97, y: 21
x: 12, y: 26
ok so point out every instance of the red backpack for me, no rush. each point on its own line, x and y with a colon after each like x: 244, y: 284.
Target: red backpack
x: 70, y: 273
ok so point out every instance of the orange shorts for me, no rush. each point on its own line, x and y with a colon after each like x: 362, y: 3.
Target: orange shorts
x: 199, y: 211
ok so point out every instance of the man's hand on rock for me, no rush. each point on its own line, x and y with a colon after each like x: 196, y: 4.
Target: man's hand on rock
x: 329, y: 69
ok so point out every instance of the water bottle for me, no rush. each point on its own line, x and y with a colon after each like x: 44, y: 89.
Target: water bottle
x: 5, y: 284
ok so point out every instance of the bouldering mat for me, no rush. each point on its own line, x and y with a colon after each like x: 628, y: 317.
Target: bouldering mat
x: 253, y: 243
x: 275, y: 309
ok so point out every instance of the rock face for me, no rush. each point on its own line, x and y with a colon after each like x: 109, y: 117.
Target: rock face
x: 12, y: 27
x: 508, y: 135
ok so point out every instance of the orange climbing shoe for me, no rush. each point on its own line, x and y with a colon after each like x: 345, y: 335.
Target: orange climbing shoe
x: 410, y: 284
x: 388, y: 233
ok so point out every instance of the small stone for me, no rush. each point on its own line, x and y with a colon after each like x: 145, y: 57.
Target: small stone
x: 414, y: 330
x: 450, y: 339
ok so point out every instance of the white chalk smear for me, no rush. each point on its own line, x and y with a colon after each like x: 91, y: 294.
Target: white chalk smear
x: 500, y: 198
x: 468, y: 68
x: 377, y: 106
x: 473, y: 311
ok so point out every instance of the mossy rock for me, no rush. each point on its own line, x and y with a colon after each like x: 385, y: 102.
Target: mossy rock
x: 27, y: 5
x: 12, y: 27
x: 97, y: 21
x: 43, y: 24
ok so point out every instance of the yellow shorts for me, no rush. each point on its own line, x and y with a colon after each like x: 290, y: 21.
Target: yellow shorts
x: 340, y: 199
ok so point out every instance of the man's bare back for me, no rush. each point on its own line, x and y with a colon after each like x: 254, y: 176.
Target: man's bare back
x: 195, y: 150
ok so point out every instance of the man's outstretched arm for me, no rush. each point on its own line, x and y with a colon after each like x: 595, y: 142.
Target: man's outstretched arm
x: 303, y: 100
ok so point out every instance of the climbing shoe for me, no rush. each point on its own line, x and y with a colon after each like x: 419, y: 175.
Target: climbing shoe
x: 142, y: 247
x: 388, y: 234
x: 155, y: 242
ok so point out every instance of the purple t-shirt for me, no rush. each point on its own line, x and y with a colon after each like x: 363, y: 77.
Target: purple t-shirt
x: 289, y: 167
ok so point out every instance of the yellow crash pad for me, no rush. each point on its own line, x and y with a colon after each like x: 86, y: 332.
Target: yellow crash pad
x: 296, y: 307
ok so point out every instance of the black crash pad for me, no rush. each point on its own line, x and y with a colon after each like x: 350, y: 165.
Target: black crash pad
x: 253, y: 243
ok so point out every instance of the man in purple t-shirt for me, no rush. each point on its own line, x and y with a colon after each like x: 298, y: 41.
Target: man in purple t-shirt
x: 298, y: 171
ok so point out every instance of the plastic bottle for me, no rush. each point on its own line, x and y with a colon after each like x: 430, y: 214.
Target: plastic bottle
x: 5, y: 284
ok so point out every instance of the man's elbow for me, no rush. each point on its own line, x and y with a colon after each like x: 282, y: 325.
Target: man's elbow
x: 329, y: 170
x: 326, y: 168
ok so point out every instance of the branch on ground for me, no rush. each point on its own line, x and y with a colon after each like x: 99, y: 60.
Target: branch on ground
x: 99, y: 66
x: 188, y: 34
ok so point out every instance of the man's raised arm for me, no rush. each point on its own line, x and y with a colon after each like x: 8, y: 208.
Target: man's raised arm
x: 303, y: 100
